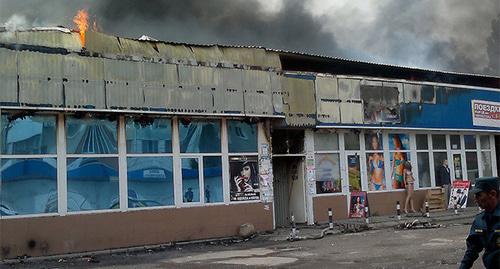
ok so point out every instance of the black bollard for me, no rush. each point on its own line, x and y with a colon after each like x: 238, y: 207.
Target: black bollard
x: 427, y: 214
x: 398, y: 210
x: 330, y: 218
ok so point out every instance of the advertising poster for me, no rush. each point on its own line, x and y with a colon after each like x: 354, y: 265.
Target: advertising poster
x: 244, y: 179
x: 459, y: 193
x: 354, y: 170
x: 358, y: 204
x: 375, y: 170
x: 398, y: 143
x: 328, y: 173
x: 485, y: 113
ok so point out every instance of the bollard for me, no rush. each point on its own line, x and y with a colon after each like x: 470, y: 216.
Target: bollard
x: 294, y: 228
x: 330, y: 218
x: 427, y: 214
x: 398, y: 210
x: 456, y: 210
x: 367, y: 219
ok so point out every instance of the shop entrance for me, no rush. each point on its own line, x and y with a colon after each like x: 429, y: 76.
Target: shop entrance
x: 289, y: 190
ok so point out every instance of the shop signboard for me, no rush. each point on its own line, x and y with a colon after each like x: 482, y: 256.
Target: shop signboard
x: 485, y: 113
x: 244, y: 179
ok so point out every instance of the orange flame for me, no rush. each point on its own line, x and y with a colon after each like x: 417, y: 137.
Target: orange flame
x: 81, y: 21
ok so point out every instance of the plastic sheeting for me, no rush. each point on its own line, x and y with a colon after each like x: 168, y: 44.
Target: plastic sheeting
x: 277, y: 94
x: 124, y: 82
x: 51, y: 39
x: 327, y: 99
x: 257, y: 92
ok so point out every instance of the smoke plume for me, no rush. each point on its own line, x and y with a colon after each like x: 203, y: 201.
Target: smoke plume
x: 450, y: 35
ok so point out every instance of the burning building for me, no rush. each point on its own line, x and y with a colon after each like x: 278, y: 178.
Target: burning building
x: 109, y: 142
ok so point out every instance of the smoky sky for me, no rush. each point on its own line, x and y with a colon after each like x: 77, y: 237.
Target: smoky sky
x: 450, y: 35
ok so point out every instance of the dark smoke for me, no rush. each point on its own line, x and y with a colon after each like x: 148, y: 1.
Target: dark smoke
x: 451, y: 35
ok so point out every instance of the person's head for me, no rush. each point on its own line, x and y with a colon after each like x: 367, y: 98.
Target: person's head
x: 247, y: 170
x: 374, y: 142
x: 445, y: 162
x: 397, y: 141
x: 407, y: 165
x: 486, y: 192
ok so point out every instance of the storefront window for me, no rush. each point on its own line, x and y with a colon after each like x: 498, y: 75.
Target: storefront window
x: 150, y: 181
x: 92, y: 183
x: 190, y: 180
x: 328, y: 173
x: 28, y: 134
x: 439, y: 157
x: 91, y: 136
x: 455, y: 142
x: 421, y: 141
x: 354, y: 171
x: 424, y: 176
x: 472, y: 168
x: 242, y: 136
x: 485, y: 141
x: 212, y: 179
x: 351, y: 141
x: 28, y: 185
x: 198, y: 136
x: 326, y: 141
x: 149, y: 135
x: 438, y: 141
x: 486, y: 163
x: 470, y: 141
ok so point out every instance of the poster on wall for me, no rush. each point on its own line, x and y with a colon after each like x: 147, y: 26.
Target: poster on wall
x: 328, y: 173
x: 358, y: 204
x: 398, y: 143
x: 375, y: 170
x: 485, y: 113
x: 244, y: 179
x: 459, y: 194
x: 354, y: 171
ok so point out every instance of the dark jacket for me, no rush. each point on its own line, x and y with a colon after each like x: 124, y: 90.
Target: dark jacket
x: 443, y: 176
x: 484, y: 234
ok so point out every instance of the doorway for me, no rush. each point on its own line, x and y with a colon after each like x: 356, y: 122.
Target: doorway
x: 289, y: 190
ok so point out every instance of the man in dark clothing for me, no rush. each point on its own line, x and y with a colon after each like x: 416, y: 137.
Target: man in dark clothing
x: 443, y: 180
x: 485, y: 230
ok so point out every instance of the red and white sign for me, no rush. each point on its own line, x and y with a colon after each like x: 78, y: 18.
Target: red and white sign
x: 459, y: 194
x: 485, y: 113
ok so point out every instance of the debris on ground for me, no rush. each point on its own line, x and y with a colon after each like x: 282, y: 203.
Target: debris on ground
x: 417, y: 224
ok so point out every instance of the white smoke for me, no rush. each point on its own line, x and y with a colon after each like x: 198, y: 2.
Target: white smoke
x: 16, y: 22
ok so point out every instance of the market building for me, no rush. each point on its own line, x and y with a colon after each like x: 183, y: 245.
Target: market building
x: 128, y: 142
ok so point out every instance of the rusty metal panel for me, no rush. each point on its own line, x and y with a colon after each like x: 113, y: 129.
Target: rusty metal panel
x: 84, y: 82
x: 299, y: 101
x: 327, y: 99
x: 52, y: 39
x: 211, y: 55
x: 349, y: 89
x: 351, y: 112
x: 124, y: 82
x: 176, y: 53
x: 161, y: 86
x: 251, y: 57
x: 8, y: 76
x: 277, y: 93
x: 257, y: 92
x: 232, y: 91
x: 40, y: 79
x: 138, y: 49
x: 102, y: 43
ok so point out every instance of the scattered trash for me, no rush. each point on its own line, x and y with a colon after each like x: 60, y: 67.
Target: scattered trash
x: 417, y: 224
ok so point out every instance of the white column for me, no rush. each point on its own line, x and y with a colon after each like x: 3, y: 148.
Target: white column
x: 309, y: 150
x: 225, y: 161
x: 413, y: 159
x: 493, y: 156
x: 62, y: 187
x: 122, y: 164
x: 431, y: 160
x: 177, y: 166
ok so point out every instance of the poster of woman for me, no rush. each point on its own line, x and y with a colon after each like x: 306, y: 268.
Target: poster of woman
x: 244, y: 180
x: 398, y: 143
x: 358, y: 204
x: 375, y: 162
